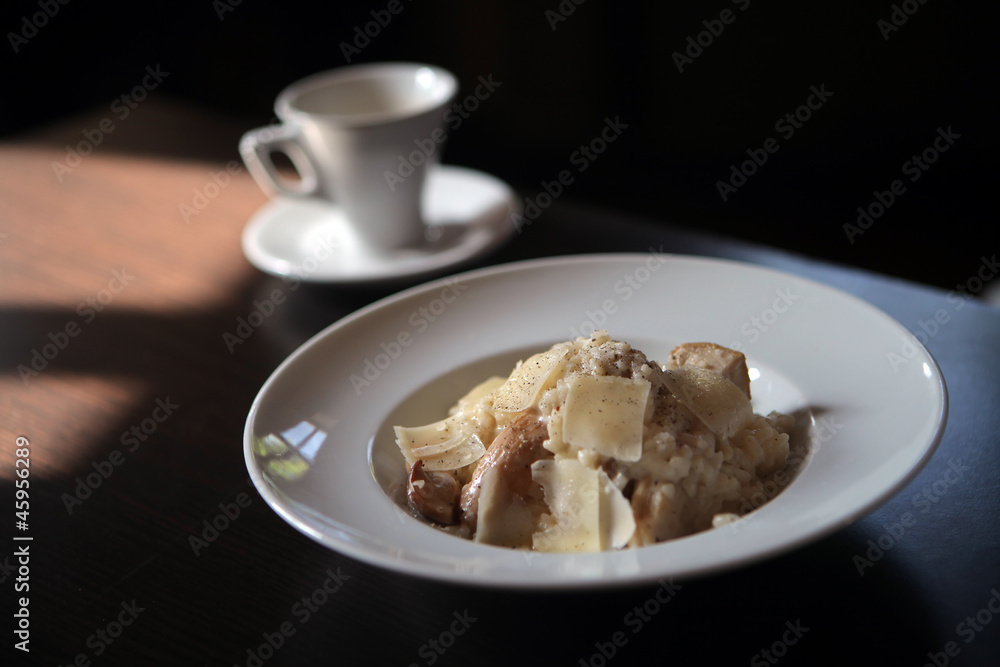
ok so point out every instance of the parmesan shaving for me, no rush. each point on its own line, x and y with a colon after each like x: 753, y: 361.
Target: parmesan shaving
x: 529, y: 380
x: 572, y: 494
x: 504, y: 518
x: 448, y: 444
x: 606, y: 414
x: 617, y: 521
x: 716, y: 401
x: 588, y: 512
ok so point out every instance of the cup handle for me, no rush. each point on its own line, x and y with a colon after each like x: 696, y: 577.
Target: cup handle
x: 256, y: 147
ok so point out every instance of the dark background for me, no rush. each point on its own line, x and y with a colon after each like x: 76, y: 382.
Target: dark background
x: 605, y: 60
x: 685, y: 130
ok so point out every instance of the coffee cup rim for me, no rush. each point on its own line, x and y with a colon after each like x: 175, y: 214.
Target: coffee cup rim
x: 285, y: 108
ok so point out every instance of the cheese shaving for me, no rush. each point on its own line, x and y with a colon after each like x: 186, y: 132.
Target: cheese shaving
x: 606, y: 414
x: 528, y: 381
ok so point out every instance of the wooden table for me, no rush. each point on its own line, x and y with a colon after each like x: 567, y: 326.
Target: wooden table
x: 119, y: 274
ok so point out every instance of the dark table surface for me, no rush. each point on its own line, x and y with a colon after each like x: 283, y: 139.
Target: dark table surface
x: 104, y: 255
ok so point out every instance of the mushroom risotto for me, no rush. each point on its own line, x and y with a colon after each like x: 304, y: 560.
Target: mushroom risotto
x: 591, y: 446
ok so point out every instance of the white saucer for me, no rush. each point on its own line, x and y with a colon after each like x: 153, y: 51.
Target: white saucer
x: 468, y: 213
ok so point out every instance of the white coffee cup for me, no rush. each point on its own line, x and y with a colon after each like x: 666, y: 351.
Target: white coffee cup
x: 362, y: 138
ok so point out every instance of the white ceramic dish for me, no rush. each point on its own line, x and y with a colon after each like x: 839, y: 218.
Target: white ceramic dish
x: 468, y: 213
x: 872, y: 403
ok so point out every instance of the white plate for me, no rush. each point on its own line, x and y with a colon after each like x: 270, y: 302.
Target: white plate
x: 468, y: 214
x: 873, y: 403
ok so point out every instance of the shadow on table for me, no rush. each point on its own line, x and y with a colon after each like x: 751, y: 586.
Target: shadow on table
x: 135, y: 536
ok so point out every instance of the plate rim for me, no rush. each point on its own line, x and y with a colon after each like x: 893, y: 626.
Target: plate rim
x: 351, y: 549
